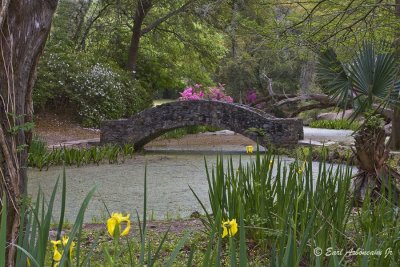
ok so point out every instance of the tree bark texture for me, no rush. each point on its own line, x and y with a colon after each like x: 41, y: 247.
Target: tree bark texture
x: 24, y: 26
x: 374, y: 174
x: 395, y: 136
x: 307, y: 75
x: 142, y: 9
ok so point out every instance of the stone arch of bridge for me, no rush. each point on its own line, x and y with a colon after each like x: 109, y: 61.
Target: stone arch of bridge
x: 153, y: 122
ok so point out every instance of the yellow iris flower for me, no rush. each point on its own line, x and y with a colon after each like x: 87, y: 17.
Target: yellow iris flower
x: 57, y: 254
x: 115, y: 221
x: 302, y: 169
x: 229, y: 228
x: 249, y: 149
x: 64, y: 242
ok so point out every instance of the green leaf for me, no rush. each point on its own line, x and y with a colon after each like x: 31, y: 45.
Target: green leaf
x: 77, y: 225
x: 177, y: 249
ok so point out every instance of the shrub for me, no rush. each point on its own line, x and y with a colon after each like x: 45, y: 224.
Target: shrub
x: 91, y: 91
x: 335, y: 124
x: 41, y: 158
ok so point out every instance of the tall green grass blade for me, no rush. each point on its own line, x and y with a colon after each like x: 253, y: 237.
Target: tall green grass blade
x: 25, y: 242
x: 33, y: 236
x: 3, y: 231
x: 45, y: 228
x: 191, y: 255
x: 157, y: 254
x: 243, y: 262
x: 77, y: 225
x: 144, y: 230
x: 78, y: 245
x: 86, y: 259
x: 365, y: 258
x: 289, y: 250
x: 31, y: 258
x: 207, y: 254
x: 63, y: 198
x: 217, y: 262
x: 23, y: 224
x: 232, y: 251
x: 178, y: 247
x: 131, y: 260
x: 202, y: 205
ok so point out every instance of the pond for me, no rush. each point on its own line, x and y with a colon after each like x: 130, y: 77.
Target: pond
x: 120, y: 186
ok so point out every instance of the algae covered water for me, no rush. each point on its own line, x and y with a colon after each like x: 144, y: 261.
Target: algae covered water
x: 120, y: 186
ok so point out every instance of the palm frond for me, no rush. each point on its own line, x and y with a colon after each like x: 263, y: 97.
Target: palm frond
x: 333, y: 78
x: 369, y: 78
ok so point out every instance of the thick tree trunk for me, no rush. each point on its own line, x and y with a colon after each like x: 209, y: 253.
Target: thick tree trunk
x: 142, y: 9
x: 374, y: 173
x: 395, y: 136
x: 24, y: 26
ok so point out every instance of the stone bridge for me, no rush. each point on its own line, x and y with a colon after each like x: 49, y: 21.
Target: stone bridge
x: 153, y: 122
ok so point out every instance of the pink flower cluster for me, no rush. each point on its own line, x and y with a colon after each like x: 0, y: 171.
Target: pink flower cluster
x: 251, y: 96
x: 190, y: 94
x: 212, y: 93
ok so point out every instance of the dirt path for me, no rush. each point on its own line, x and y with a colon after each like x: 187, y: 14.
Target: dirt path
x: 55, y: 129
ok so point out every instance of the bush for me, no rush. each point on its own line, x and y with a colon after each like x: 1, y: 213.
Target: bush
x: 91, y: 91
x: 335, y: 124
x: 42, y: 158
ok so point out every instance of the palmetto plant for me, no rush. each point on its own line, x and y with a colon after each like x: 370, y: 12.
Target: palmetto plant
x: 368, y: 82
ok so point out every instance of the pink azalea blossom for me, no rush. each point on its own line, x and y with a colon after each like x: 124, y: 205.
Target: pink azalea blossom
x: 251, y: 96
x: 213, y: 93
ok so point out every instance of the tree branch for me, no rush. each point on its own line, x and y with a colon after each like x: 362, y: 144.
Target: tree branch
x: 90, y: 24
x: 154, y: 25
x: 3, y: 12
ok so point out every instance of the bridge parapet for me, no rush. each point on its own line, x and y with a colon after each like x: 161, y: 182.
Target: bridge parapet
x: 153, y: 122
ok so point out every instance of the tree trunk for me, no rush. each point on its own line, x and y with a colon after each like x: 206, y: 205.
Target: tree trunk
x: 374, y: 174
x: 307, y: 75
x: 142, y: 9
x: 233, y: 29
x: 395, y: 136
x: 82, y: 9
x: 24, y: 26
